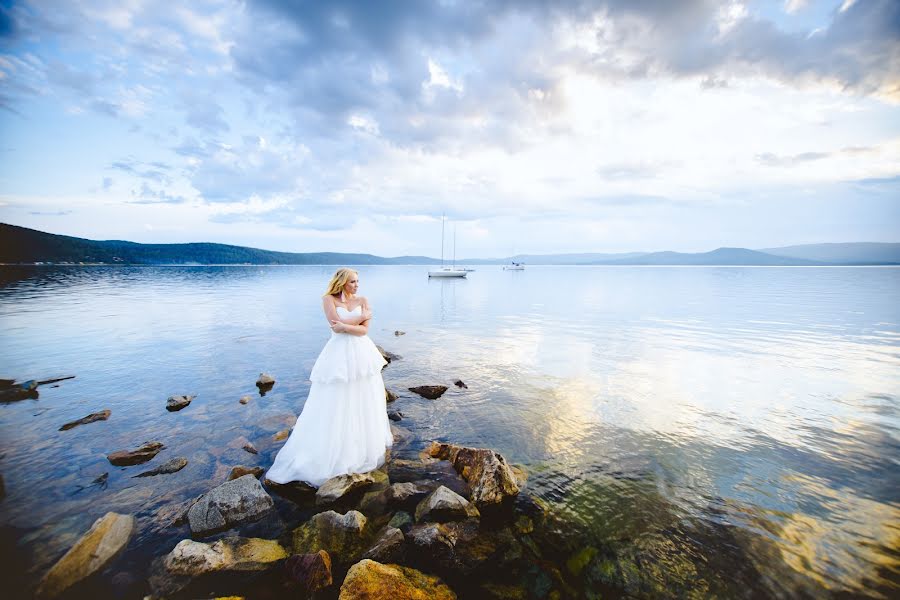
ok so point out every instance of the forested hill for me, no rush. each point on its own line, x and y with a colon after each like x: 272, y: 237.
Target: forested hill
x: 22, y: 245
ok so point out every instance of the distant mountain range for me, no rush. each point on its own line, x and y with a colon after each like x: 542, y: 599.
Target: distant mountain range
x: 19, y: 245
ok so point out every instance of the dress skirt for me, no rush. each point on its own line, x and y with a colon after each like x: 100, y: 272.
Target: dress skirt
x: 343, y: 427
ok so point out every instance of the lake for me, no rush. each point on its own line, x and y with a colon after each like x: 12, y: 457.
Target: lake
x: 715, y: 430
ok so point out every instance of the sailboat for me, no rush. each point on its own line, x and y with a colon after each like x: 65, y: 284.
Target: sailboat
x: 447, y: 271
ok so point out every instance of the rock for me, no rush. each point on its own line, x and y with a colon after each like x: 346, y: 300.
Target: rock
x: 250, y: 448
x: 11, y: 391
x: 230, y: 503
x: 337, y: 487
x: 194, y: 558
x: 375, y: 581
x: 99, y: 416
x: 398, y: 333
x: 434, y: 472
x: 389, y: 396
x: 245, y: 399
x: 460, y: 384
x: 92, y: 552
x: 497, y: 591
x: 409, y: 494
x: 342, y: 536
x: 176, y: 403
x: 2, y: 488
x: 124, y: 458
x: 282, y: 435
x: 265, y: 380
x: 171, y: 466
x: 311, y: 571
x: 486, y: 471
x: 389, y: 547
x: 443, y: 505
x: 432, y: 392
x: 432, y: 545
x: 240, y: 471
x: 388, y: 356
x: 578, y: 561
x: 395, y: 415
x: 401, y: 520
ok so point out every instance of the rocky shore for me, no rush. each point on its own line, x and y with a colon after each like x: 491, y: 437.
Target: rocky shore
x: 436, y: 521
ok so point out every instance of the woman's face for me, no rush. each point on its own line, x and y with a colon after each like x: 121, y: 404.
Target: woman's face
x: 352, y: 284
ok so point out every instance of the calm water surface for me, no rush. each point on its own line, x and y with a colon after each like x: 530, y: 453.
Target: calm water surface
x: 729, y: 431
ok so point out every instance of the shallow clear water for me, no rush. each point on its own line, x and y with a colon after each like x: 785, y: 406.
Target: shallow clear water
x: 732, y: 430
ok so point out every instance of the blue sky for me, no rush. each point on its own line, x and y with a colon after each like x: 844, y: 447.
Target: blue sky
x: 538, y: 127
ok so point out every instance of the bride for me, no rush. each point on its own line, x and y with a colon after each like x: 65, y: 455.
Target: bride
x: 343, y: 427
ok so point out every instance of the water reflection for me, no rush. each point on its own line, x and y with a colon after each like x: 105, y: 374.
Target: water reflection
x: 728, y: 432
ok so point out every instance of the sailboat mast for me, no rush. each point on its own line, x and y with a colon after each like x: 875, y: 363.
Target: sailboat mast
x: 442, y: 240
x: 454, y: 245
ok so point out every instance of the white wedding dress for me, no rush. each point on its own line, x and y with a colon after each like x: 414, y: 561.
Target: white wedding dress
x: 343, y: 427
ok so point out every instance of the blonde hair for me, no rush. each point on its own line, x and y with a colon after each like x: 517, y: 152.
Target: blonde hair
x: 339, y: 280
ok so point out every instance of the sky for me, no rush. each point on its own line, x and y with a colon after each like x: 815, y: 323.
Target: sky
x: 534, y: 126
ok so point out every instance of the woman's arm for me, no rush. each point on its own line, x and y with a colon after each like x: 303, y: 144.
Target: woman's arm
x: 359, y: 328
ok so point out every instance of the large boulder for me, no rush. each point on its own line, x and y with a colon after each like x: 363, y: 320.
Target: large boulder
x: 375, y: 581
x: 93, y: 551
x: 344, y: 537
x: 311, y: 571
x: 125, y: 458
x: 487, y: 472
x: 194, y: 558
x: 443, y: 505
x: 233, y: 502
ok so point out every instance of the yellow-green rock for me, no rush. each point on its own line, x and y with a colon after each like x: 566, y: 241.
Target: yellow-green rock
x: 578, y: 561
x: 372, y: 580
x: 96, y: 548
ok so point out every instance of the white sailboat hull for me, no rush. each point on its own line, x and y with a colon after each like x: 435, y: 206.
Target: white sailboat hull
x: 447, y: 273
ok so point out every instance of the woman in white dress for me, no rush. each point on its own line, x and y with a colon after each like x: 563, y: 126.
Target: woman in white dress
x: 344, y: 426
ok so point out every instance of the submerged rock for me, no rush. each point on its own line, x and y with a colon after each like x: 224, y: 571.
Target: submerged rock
x: 486, y: 471
x: 92, y: 552
x: 432, y: 392
x: 240, y: 471
x: 249, y: 447
x: 98, y: 416
x: 460, y: 384
x: 192, y: 558
x: 125, y: 458
x: 375, y: 581
x: 389, y: 396
x: 282, y: 435
x: 428, y: 473
x: 171, y: 466
x: 176, y: 403
x: 311, y: 571
x: 230, y: 503
x: 265, y: 379
x: 399, y: 333
x: 245, y: 399
x: 395, y: 415
x: 444, y: 505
